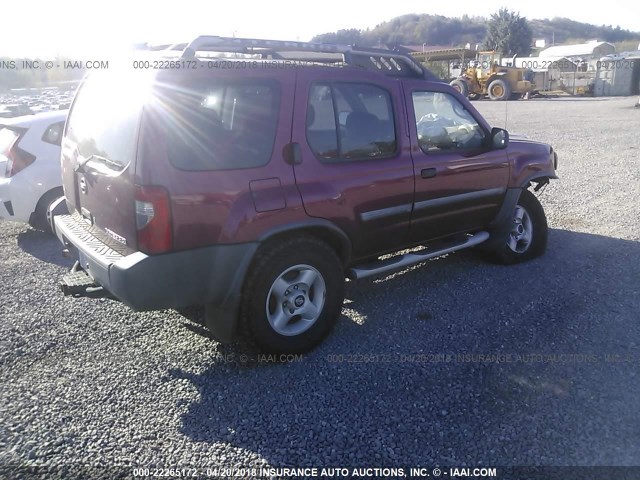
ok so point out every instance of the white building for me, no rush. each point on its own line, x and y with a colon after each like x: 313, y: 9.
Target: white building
x: 584, y: 51
x: 547, y: 71
x: 618, y: 75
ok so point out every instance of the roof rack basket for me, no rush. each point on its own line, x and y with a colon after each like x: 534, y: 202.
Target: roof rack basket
x: 394, y: 63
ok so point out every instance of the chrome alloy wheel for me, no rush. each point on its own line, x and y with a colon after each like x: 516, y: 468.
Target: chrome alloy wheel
x: 521, y: 232
x: 295, y: 300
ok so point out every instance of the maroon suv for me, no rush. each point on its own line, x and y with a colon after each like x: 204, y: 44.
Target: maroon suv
x: 255, y: 179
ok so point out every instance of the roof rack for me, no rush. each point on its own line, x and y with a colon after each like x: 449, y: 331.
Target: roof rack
x: 394, y: 63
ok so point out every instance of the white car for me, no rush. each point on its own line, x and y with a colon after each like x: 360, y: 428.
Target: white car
x: 30, y: 176
x: 12, y: 111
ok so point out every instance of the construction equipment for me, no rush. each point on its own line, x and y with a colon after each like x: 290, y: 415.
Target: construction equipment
x: 486, y: 76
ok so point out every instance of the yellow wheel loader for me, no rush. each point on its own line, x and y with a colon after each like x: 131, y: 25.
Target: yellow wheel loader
x: 485, y: 76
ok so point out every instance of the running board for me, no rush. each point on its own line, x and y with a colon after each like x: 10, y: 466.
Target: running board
x: 401, y: 261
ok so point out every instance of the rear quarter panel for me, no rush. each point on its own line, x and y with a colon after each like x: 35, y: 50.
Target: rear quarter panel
x: 45, y: 172
x: 218, y: 206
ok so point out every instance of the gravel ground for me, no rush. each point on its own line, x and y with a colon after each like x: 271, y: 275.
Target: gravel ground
x: 456, y: 363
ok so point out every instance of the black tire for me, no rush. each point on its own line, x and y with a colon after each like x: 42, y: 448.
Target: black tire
x: 461, y: 86
x: 499, y: 90
x: 38, y: 219
x: 272, y: 261
x: 505, y: 254
x: 475, y: 96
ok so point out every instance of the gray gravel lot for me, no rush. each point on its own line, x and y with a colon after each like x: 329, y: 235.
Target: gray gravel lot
x: 88, y: 383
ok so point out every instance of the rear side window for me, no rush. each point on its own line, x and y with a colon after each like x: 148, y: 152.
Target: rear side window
x: 53, y: 134
x: 350, y: 121
x: 105, y: 117
x: 218, y: 125
x: 321, y: 123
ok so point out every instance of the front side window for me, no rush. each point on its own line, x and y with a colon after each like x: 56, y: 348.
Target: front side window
x: 350, y: 121
x: 443, y: 124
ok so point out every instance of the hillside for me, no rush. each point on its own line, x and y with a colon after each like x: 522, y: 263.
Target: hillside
x: 438, y: 30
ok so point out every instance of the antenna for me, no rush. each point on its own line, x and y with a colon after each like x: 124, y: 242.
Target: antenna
x: 506, y: 112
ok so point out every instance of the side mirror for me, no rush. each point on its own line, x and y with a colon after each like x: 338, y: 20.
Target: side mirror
x: 499, y: 138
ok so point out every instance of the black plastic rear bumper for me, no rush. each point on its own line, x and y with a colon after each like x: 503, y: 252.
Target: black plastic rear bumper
x: 210, y: 276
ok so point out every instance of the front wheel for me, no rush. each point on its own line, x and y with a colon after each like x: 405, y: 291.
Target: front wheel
x: 528, y: 234
x: 293, y: 296
x: 499, y: 90
x: 461, y: 86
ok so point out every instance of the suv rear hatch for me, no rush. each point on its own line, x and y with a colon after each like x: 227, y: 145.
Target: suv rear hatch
x: 98, y: 155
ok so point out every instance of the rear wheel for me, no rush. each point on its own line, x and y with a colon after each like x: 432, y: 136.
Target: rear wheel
x: 499, y: 90
x: 461, y: 86
x: 38, y: 219
x: 528, y: 236
x: 293, y: 296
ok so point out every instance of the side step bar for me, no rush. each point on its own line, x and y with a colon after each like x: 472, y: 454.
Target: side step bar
x: 401, y: 261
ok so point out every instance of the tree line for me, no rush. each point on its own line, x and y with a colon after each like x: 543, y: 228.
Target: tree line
x: 505, y: 31
x: 418, y: 29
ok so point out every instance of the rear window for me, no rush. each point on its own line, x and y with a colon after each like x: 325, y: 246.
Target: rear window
x: 217, y: 125
x: 105, y: 117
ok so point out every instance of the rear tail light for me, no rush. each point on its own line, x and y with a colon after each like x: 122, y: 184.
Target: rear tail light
x: 17, y: 158
x: 153, y: 219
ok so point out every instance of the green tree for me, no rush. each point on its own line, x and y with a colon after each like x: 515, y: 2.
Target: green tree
x: 508, y: 33
x: 351, y: 36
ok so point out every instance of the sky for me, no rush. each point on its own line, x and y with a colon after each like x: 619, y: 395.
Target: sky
x: 94, y: 30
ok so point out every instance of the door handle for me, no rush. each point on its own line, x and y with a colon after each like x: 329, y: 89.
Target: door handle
x: 428, y: 172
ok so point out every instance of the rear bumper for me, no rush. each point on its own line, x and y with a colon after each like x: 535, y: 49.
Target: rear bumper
x: 6, y: 207
x: 210, y: 275
x: 19, y: 196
